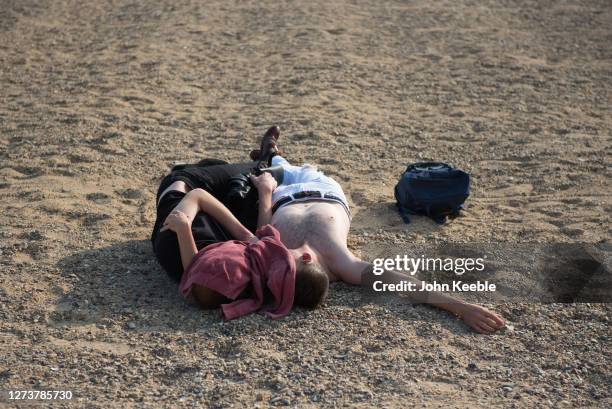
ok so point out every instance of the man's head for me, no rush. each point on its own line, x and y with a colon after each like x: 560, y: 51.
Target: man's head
x: 311, y: 282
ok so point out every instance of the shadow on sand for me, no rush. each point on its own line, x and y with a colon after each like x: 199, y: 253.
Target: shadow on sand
x: 116, y: 281
x: 122, y: 285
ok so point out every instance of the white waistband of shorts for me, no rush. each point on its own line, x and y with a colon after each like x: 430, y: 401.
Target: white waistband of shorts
x: 335, y: 199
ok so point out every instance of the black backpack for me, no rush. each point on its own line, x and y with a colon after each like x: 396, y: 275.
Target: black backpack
x: 431, y: 189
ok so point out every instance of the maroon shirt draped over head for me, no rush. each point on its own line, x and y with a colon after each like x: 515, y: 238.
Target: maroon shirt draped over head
x: 229, y: 267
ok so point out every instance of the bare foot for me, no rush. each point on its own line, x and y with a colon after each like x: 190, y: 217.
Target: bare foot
x: 481, y: 319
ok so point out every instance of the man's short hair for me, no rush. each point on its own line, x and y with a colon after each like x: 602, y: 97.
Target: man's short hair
x: 311, y: 285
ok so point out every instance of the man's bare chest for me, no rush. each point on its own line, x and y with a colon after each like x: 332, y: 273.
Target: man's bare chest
x: 313, y: 222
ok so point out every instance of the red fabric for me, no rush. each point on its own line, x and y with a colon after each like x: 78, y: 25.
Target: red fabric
x: 229, y: 267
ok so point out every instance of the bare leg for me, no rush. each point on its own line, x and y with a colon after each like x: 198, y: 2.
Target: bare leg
x: 178, y: 186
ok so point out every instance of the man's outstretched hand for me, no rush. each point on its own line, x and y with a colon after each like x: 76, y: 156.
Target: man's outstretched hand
x: 481, y: 319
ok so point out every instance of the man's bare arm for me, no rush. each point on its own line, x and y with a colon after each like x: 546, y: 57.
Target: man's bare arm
x: 200, y: 200
x: 178, y: 222
x: 264, y: 211
x: 187, y: 246
x: 352, y: 270
x: 265, y: 185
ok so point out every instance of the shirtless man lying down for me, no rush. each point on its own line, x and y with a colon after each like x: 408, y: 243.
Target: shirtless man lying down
x: 311, y: 213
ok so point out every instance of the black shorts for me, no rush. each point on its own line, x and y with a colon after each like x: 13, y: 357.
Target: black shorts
x: 214, y: 178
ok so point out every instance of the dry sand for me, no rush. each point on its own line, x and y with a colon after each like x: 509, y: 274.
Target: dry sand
x: 98, y: 98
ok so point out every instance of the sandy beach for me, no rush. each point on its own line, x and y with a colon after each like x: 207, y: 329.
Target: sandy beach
x: 99, y: 99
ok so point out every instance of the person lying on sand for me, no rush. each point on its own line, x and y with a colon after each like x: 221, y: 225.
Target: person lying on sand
x: 251, y: 271
x: 214, y: 177
x: 311, y: 213
x: 220, y: 259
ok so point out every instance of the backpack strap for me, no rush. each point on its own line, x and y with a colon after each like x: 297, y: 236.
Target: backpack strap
x: 404, y: 213
x: 439, y: 219
x: 402, y: 210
